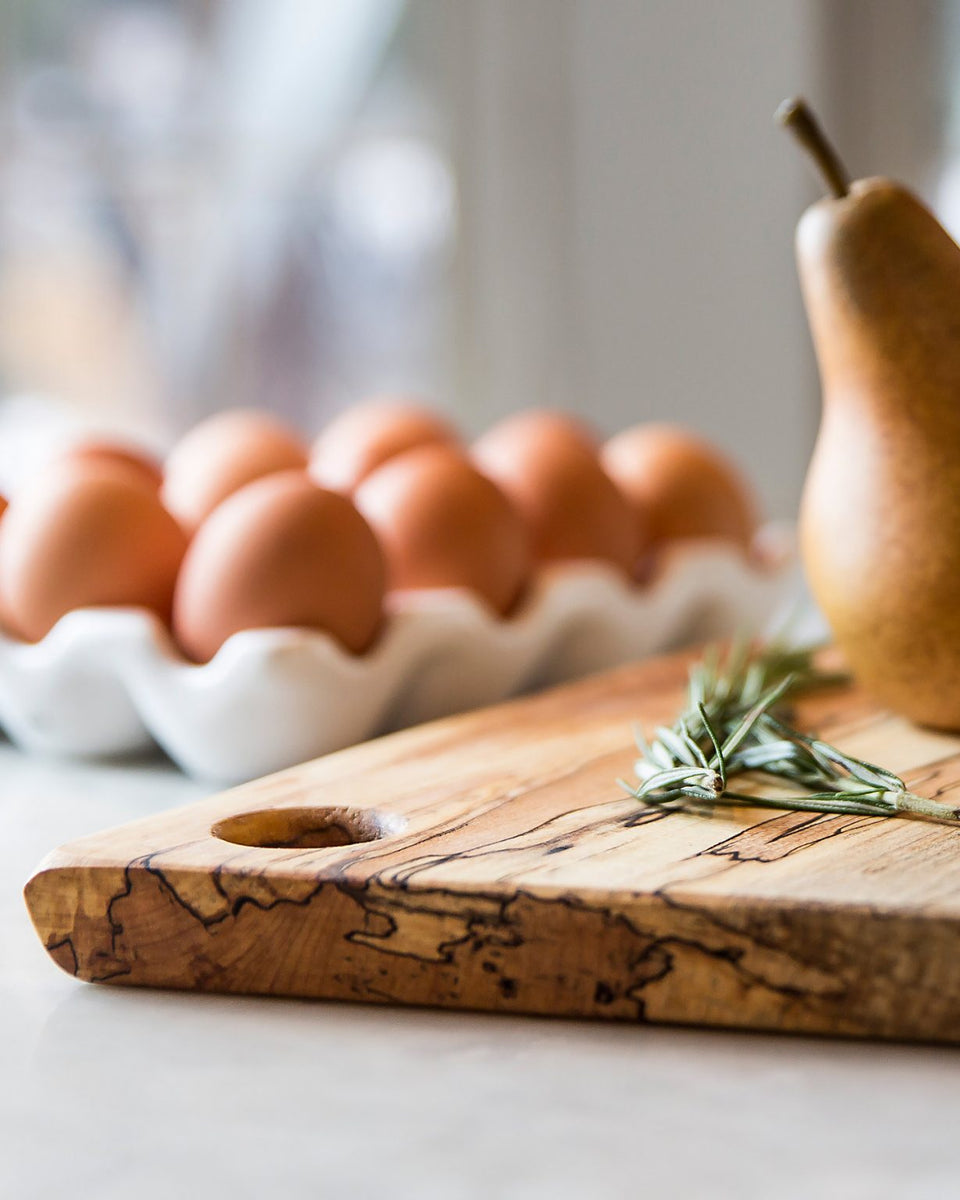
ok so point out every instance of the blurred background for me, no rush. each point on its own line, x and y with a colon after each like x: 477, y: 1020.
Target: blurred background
x: 491, y: 203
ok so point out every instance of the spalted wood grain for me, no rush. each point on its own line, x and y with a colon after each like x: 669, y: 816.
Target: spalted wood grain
x: 489, y: 861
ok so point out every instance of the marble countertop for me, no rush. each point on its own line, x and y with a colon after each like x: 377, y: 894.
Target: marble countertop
x: 108, y: 1092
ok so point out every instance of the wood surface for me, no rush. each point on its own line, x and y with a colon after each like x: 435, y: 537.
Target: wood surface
x: 489, y: 861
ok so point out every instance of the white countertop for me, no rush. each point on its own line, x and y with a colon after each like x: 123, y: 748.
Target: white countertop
x: 112, y: 1092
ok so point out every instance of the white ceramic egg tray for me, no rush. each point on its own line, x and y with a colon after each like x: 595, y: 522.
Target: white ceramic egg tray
x: 108, y: 682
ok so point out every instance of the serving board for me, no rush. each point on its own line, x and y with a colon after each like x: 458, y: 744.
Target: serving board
x: 490, y: 861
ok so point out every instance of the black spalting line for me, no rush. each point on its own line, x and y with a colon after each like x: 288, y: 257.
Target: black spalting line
x: 423, y: 862
x: 809, y: 820
x: 753, y: 935
x: 729, y: 848
x: 404, y: 875
x: 469, y: 917
x: 940, y: 791
x: 481, y: 928
x: 237, y: 905
x: 731, y: 955
x: 208, y: 923
x: 116, y: 929
x: 53, y: 947
x: 393, y: 844
x: 146, y: 864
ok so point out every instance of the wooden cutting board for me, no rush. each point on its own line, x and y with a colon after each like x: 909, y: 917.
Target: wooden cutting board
x: 489, y: 861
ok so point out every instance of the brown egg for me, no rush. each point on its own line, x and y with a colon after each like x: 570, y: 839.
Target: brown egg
x: 680, y: 486
x: 553, y: 476
x: 442, y: 524
x: 280, y: 552
x: 220, y: 455
x: 544, y: 425
x: 365, y: 437
x: 112, y: 452
x: 90, y: 534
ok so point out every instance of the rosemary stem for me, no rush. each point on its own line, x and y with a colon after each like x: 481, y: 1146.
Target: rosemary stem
x: 921, y: 806
x: 734, y: 724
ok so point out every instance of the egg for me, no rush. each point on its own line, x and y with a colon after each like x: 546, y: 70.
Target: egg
x: 92, y: 534
x: 544, y: 424
x: 365, y: 437
x: 680, y: 486
x: 551, y: 472
x: 220, y: 455
x: 280, y: 552
x: 443, y: 525
x: 112, y: 452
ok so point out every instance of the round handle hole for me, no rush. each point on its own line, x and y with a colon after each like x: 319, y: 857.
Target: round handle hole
x: 305, y: 828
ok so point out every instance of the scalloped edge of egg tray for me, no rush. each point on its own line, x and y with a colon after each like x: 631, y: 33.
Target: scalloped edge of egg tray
x: 110, y: 682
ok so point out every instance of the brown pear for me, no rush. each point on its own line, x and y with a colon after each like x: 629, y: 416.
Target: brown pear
x: 880, y: 516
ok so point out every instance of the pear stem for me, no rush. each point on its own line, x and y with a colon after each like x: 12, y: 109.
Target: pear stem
x: 795, y: 116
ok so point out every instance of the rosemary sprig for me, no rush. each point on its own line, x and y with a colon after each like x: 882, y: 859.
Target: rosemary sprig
x: 734, y: 722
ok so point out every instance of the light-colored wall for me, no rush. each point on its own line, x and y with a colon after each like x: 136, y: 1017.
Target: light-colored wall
x: 629, y: 205
x: 687, y: 197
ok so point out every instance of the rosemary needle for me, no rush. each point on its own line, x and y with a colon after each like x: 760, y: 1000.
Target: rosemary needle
x: 734, y: 722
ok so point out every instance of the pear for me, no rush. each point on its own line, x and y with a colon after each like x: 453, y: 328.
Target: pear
x: 880, y: 514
